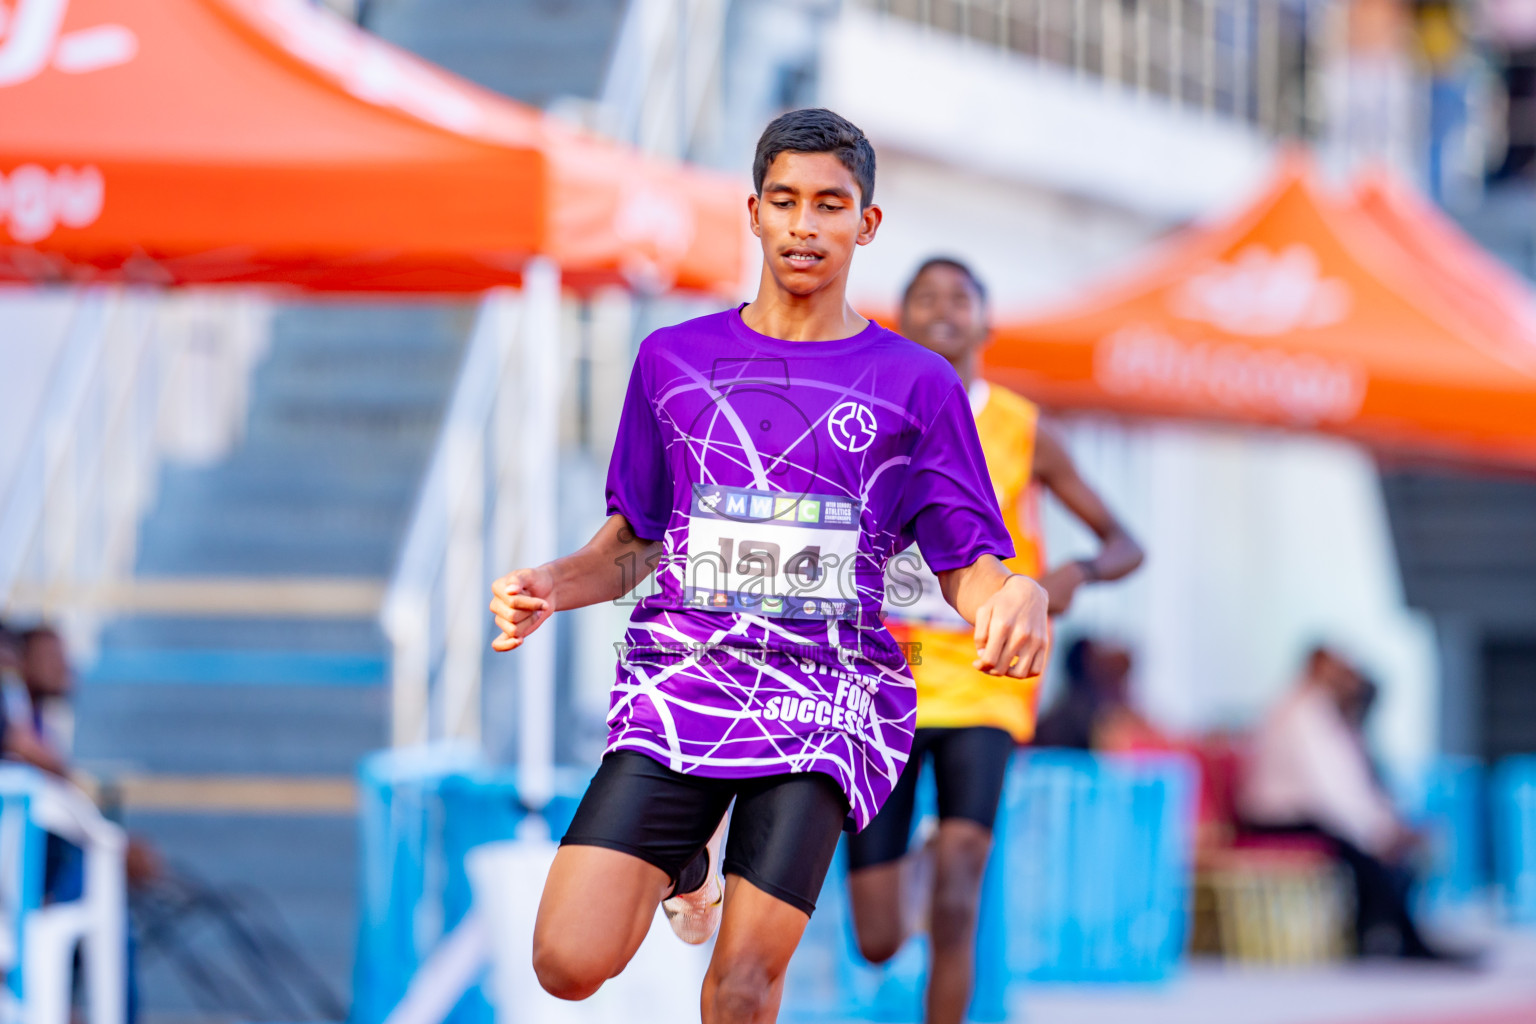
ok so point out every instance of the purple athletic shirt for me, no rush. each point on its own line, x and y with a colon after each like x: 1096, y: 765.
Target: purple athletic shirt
x: 781, y: 477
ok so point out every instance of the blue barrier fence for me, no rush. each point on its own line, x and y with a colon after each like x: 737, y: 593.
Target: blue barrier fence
x: 1513, y: 794
x: 1089, y: 883
x: 1099, y: 857
x: 1450, y: 806
x: 421, y: 811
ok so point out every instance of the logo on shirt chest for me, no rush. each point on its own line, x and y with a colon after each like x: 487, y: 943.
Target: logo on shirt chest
x: 852, y: 426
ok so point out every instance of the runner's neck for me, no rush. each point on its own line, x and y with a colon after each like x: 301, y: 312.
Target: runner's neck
x: 821, y: 316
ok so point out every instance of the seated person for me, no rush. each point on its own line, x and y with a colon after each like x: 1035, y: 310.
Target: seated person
x: 1308, y: 774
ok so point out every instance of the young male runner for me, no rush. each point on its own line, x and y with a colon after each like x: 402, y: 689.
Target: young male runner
x: 968, y: 723
x: 771, y: 459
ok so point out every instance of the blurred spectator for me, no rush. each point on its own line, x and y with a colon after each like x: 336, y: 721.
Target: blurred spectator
x: 49, y: 688
x: 1308, y: 774
x: 1094, y: 712
x: 1510, y: 29
x: 21, y: 733
x: 1454, y: 168
x: 38, y: 726
x: 1357, y: 711
x: 44, y: 731
x: 10, y: 670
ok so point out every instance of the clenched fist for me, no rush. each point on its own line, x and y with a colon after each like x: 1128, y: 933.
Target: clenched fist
x: 1012, y: 630
x: 521, y: 601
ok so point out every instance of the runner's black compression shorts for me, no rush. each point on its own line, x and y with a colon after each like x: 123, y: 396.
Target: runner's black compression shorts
x: 783, y: 831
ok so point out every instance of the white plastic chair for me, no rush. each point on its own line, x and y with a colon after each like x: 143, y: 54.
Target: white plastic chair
x: 97, y: 922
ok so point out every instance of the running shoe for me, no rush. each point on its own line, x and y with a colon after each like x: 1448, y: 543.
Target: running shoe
x: 694, y: 916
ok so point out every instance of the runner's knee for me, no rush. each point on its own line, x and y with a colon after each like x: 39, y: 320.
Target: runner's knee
x: 743, y: 991
x: 878, y: 945
x: 954, y: 915
x: 957, y: 889
x: 567, y: 973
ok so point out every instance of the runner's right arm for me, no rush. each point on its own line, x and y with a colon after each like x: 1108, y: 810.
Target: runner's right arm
x: 604, y: 569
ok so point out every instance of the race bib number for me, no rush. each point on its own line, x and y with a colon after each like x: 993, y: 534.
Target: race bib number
x: 788, y: 556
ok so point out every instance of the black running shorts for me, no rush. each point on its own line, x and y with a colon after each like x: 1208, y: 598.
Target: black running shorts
x: 783, y: 831
x: 969, y: 766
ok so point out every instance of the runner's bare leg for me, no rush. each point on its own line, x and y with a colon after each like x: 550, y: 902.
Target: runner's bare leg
x: 758, y: 935
x: 961, y: 849
x: 875, y: 900
x: 597, y: 907
x: 887, y: 902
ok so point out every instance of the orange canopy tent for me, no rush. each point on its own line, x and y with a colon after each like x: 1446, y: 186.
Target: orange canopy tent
x: 1368, y: 317
x: 200, y: 141
x: 1482, y: 287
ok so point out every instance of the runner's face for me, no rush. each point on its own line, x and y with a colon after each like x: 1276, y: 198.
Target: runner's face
x: 809, y: 220
x: 943, y: 312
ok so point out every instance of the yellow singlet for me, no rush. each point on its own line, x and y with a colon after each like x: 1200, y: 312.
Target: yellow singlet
x: 950, y: 693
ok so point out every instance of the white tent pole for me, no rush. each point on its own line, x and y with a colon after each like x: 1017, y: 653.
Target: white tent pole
x: 539, y: 391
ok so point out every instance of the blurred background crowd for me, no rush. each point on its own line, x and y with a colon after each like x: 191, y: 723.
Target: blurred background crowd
x: 253, y: 486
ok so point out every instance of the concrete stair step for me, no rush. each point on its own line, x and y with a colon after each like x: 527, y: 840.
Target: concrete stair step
x: 372, y: 322
x: 283, y: 514
x: 207, y: 551
x: 344, y: 480
x: 292, y: 420
x: 188, y: 728
x: 358, y: 459
x: 382, y: 446
x: 293, y: 635
x: 241, y: 667
x: 356, y: 385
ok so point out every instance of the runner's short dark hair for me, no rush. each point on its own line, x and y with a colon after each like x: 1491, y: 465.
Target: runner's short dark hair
x: 817, y: 130
x: 953, y: 263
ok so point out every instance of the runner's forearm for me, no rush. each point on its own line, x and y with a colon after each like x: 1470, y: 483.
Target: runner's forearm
x: 605, y: 568
x: 968, y: 589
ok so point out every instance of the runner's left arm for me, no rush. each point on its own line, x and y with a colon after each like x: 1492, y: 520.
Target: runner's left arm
x: 604, y: 569
x: 1119, y: 554
x: 1009, y: 613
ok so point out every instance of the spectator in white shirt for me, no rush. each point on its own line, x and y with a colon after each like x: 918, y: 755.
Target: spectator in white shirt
x: 1308, y: 773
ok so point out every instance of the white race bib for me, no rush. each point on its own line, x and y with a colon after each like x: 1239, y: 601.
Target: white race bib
x: 789, y: 556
